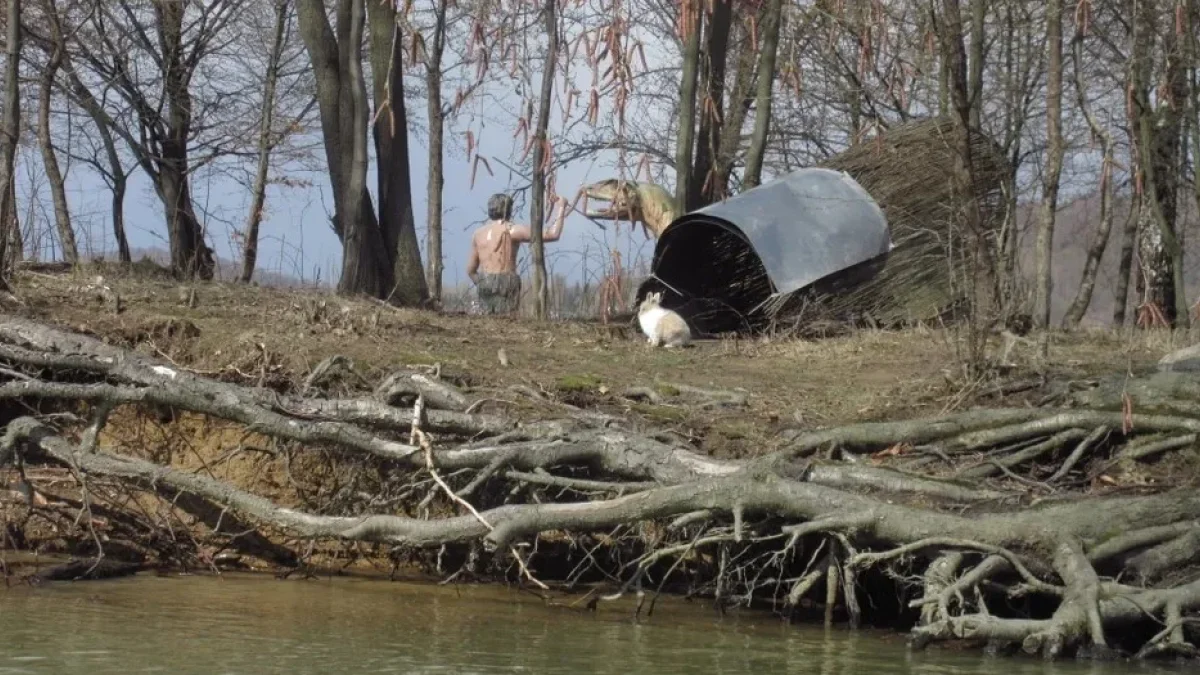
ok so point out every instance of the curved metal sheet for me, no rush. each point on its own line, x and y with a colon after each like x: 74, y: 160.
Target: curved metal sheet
x: 803, y: 226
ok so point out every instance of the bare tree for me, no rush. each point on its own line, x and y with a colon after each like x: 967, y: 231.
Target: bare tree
x: 436, y: 179
x: 703, y: 188
x: 10, y: 132
x: 1054, y: 162
x: 1160, y: 255
x: 954, y: 54
x: 762, y: 105
x: 742, y: 96
x: 691, y: 13
x: 979, y: 10
x: 1192, y: 45
x: 140, y: 50
x: 1099, y: 242
x: 380, y: 256
x: 394, y: 186
x: 62, y: 214
x: 266, y: 139
x: 110, y: 167
x: 541, y: 149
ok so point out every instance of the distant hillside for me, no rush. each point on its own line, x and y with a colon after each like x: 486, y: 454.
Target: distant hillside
x: 1074, y: 228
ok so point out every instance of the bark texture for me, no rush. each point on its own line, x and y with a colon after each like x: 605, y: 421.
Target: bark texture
x: 541, y: 161
x: 258, y: 194
x: 9, y: 136
x: 380, y: 255
x: 762, y: 104
x: 436, y: 179
x: 54, y: 175
x: 691, y: 24
x: 1054, y: 161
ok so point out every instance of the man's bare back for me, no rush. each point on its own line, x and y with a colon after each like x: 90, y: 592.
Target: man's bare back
x: 496, y: 244
x: 492, y: 265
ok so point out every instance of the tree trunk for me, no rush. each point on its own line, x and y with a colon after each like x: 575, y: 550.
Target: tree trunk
x: 1192, y: 37
x: 1053, y: 170
x: 190, y: 255
x: 265, y: 143
x: 397, y: 224
x: 78, y: 92
x: 322, y: 47
x: 978, y: 24
x: 10, y: 134
x: 943, y: 86
x: 124, y: 255
x: 762, y: 107
x: 690, y: 21
x: 537, y: 215
x: 365, y: 257
x: 120, y: 179
x: 1125, y: 263
x: 1083, y: 296
x: 1161, y: 280
x: 436, y: 179
x: 62, y: 214
x: 704, y: 188
x: 1012, y: 142
x: 955, y: 60
x: 337, y: 68
x: 740, y: 101
x: 981, y: 286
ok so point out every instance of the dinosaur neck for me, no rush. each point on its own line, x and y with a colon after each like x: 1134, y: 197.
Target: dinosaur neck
x: 658, y: 208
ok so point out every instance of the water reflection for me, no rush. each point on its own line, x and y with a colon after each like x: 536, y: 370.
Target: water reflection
x: 256, y: 625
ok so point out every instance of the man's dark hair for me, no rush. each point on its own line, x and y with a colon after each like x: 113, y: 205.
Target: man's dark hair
x: 500, y: 206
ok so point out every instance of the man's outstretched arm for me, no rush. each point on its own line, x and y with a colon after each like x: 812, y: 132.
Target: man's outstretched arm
x: 523, y: 234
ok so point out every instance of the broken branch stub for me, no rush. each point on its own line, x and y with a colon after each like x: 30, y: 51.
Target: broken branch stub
x: 402, y: 389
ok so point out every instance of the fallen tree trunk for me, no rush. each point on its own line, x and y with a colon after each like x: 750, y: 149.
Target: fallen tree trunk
x: 968, y: 509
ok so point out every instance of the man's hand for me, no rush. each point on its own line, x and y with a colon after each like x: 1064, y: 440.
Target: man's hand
x: 555, y: 230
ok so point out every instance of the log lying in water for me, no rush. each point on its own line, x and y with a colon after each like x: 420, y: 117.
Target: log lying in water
x: 967, y: 509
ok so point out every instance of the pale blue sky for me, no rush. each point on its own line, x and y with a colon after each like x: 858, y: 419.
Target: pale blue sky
x: 296, y: 237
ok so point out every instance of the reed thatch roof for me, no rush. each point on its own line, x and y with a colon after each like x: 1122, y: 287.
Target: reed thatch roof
x: 719, y: 280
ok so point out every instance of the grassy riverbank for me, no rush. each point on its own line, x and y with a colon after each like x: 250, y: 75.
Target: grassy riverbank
x: 263, y: 428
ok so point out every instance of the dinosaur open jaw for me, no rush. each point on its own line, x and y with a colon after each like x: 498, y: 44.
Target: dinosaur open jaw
x: 612, y: 204
x: 609, y: 212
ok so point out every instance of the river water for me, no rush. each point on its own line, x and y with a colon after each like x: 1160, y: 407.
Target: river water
x: 252, y: 624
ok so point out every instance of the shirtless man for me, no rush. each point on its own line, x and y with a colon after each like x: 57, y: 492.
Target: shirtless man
x: 492, y: 266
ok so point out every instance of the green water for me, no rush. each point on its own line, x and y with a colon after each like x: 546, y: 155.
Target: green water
x: 260, y: 625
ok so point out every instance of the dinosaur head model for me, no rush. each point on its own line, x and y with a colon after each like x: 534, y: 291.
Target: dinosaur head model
x: 631, y: 201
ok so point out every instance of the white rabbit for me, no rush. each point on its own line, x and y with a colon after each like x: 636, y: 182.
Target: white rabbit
x: 662, y: 326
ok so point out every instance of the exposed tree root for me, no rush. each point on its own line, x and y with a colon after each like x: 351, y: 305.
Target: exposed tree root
x: 555, y: 500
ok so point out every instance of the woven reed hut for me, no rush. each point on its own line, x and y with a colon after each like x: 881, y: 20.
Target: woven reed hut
x: 726, y: 276
x: 909, y: 171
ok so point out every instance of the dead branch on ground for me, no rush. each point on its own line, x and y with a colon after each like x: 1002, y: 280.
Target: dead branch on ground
x: 986, y: 505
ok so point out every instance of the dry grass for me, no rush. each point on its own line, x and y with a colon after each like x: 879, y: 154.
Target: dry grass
x: 273, y: 335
